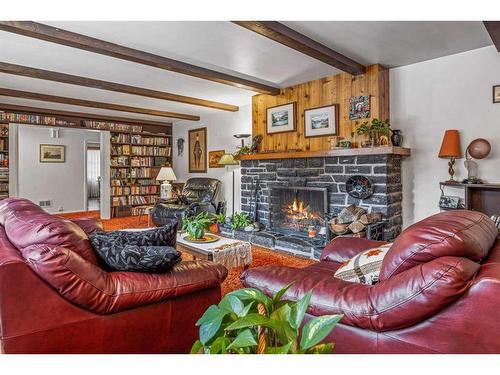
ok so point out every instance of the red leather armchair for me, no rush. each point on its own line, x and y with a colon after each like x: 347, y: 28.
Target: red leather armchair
x: 439, y: 289
x: 56, y: 298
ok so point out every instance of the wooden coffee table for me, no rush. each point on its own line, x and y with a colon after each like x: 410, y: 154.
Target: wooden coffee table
x: 226, y: 251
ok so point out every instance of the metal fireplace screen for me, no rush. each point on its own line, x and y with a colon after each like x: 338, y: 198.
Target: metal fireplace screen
x: 296, y: 209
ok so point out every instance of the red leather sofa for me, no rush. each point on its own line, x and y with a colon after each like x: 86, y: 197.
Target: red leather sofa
x: 55, y: 297
x: 439, y: 289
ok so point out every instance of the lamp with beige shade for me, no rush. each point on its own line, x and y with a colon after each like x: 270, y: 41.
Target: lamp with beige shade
x: 166, y: 175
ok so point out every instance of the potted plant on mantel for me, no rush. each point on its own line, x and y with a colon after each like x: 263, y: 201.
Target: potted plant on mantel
x: 376, y: 131
x: 247, y: 321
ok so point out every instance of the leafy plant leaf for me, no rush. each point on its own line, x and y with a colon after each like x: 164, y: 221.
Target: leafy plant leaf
x: 317, y: 329
x: 246, y: 309
x: 244, y: 339
x: 285, y: 349
x: 219, y: 345
x: 232, y: 304
x: 197, y: 348
x: 321, y: 349
x: 210, y: 328
x: 281, y: 292
x: 250, y: 320
x: 299, y: 310
x: 253, y: 294
x: 211, y: 313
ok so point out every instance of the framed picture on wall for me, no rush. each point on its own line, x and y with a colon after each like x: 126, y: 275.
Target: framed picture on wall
x: 359, y: 107
x: 496, y: 94
x: 52, y: 153
x: 214, y: 157
x: 321, y: 121
x: 198, y: 150
x: 281, y: 119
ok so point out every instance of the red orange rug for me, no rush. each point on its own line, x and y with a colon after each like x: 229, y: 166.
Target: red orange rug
x: 261, y: 256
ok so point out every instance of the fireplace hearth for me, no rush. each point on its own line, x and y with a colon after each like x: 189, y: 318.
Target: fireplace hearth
x: 294, y: 194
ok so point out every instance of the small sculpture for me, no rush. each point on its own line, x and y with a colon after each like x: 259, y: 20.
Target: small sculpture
x: 255, y: 143
x: 180, y: 146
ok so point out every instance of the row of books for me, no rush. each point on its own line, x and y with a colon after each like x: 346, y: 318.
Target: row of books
x: 137, y: 161
x: 153, y: 141
x: 4, y: 173
x: 118, y: 161
x: 120, y: 138
x: 30, y: 119
x: 132, y: 200
x: 4, y: 144
x: 120, y: 173
x: 118, y: 182
x: 120, y: 190
x: 103, y: 125
x: 151, y: 151
x: 120, y: 150
x: 4, y: 187
x: 144, y: 190
x: 143, y: 172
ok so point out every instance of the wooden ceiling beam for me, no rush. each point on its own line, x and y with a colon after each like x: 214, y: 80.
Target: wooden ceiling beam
x: 80, y: 115
x: 94, y: 104
x: 493, y: 28
x: 49, y: 75
x: 303, y: 44
x: 75, y: 40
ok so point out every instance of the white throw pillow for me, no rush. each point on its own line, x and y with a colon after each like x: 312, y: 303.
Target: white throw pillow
x: 364, y: 268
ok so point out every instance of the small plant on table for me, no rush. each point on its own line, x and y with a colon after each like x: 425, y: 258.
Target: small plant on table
x: 196, y: 225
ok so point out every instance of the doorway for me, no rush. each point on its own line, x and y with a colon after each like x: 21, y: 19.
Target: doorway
x: 93, y: 179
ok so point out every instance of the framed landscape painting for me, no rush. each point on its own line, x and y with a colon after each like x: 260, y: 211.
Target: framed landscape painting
x: 214, y: 157
x: 496, y: 94
x: 321, y: 121
x: 198, y: 150
x: 281, y: 118
x: 52, y: 153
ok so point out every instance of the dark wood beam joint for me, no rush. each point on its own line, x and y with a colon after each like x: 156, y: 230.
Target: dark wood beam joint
x: 493, y: 28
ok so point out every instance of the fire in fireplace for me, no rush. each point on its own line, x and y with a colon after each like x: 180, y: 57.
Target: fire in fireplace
x: 296, y: 209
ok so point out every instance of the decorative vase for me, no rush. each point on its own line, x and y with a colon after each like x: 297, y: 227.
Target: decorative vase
x: 214, y: 228
x: 397, y: 138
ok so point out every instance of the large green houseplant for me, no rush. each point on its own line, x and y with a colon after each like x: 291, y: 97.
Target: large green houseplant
x: 247, y: 321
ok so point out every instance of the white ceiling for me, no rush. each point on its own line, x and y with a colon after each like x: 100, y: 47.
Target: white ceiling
x: 224, y: 47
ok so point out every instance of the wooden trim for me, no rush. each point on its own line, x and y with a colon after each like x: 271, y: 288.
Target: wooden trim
x: 386, y: 150
x: 93, y: 104
x: 49, y: 75
x: 204, y: 150
x: 75, y: 40
x: 336, y: 106
x: 294, y: 118
x: 493, y: 28
x: 303, y: 44
x: 90, y: 116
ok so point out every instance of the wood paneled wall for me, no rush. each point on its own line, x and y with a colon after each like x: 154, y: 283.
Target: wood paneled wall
x: 330, y: 90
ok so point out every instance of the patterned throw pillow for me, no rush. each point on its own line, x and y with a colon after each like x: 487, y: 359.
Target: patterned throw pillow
x: 142, y: 251
x: 364, y: 268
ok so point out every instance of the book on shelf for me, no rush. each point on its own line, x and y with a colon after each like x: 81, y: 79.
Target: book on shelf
x: 115, y: 190
x: 117, y: 173
x: 141, y: 172
x: 27, y: 118
x: 138, y: 190
x: 151, y: 151
x: 120, y: 138
x: 104, y: 125
x: 119, y: 161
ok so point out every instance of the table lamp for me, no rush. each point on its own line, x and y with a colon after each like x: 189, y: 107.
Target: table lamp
x: 166, y: 175
x: 450, y: 149
x: 227, y: 160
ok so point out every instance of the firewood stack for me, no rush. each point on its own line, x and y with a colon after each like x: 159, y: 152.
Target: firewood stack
x: 353, y: 219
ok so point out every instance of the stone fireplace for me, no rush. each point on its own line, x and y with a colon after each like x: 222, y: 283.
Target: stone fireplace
x: 288, y: 195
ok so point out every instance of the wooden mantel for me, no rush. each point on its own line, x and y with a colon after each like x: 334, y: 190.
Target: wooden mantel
x: 387, y: 150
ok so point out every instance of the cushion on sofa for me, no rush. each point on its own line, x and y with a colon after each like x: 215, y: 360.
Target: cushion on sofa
x: 363, y: 268
x: 27, y: 224
x: 89, y: 286
x: 461, y: 233
x: 402, y: 301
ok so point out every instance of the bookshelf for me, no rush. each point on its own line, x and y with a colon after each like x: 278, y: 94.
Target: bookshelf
x: 135, y: 160
x: 137, y: 151
x: 4, y: 161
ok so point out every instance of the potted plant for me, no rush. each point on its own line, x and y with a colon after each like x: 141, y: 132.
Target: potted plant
x: 196, y: 225
x: 247, y: 321
x: 239, y: 220
x: 375, y: 130
x: 217, y: 220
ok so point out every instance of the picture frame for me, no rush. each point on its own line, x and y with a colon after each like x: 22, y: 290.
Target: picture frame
x: 52, y: 153
x: 449, y: 202
x: 214, y: 157
x: 281, y: 118
x: 197, y: 150
x: 496, y: 94
x: 321, y: 121
x: 359, y: 107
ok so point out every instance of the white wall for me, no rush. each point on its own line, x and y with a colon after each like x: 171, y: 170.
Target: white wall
x: 453, y: 92
x: 220, y: 130
x: 63, y: 183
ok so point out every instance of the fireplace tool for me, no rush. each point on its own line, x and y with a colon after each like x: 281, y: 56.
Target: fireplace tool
x: 254, y: 202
